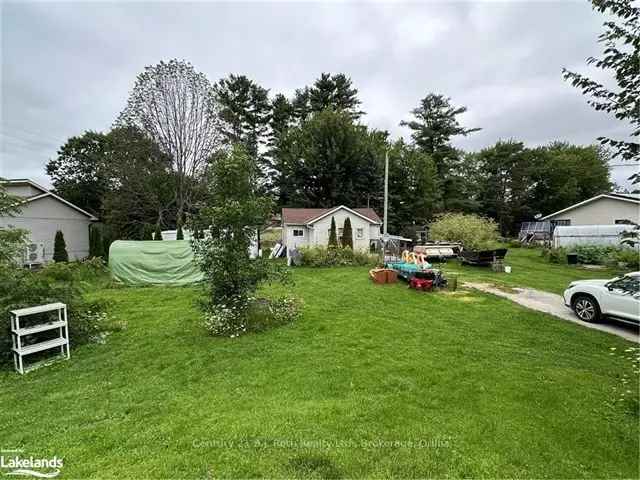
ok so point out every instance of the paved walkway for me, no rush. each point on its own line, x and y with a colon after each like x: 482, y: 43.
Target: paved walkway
x: 553, y: 304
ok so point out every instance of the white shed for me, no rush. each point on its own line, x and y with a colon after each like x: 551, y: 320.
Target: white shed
x: 307, y: 227
x: 42, y: 213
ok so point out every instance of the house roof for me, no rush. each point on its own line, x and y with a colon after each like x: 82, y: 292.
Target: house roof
x: 304, y: 216
x: 625, y: 197
x: 45, y: 193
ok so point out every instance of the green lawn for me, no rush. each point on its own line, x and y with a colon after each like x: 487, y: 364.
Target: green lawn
x: 373, y: 381
x: 529, y: 269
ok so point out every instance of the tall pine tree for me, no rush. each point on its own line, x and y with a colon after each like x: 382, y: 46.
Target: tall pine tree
x: 434, y: 125
x: 621, y: 42
x: 329, y: 91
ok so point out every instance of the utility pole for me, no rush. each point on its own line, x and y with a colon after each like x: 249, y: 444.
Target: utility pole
x: 385, y: 234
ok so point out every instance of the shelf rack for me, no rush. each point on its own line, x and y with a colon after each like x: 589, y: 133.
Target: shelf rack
x: 18, y: 333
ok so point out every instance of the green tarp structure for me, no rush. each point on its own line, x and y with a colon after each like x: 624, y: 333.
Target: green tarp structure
x: 169, y: 262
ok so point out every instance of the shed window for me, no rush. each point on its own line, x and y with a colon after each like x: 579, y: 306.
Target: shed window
x: 298, y: 232
x: 360, y: 233
x: 562, y: 223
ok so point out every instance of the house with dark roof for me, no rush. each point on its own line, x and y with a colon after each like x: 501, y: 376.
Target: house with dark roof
x: 310, y: 226
x: 42, y: 213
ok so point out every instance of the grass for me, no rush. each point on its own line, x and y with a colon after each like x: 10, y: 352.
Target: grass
x: 373, y: 381
x: 529, y: 269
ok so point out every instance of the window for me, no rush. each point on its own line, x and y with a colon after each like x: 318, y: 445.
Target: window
x: 360, y: 233
x: 626, y: 284
x: 624, y: 222
x: 561, y: 223
x: 298, y: 232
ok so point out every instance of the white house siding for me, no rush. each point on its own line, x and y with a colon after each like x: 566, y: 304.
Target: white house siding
x: 374, y: 232
x: 321, y: 229
x: 43, y: 217
x: 603, y: 211
x: 23, y: 190
x: 293, y: 242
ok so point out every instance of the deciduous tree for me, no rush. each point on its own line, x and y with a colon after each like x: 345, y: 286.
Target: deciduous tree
x: 11, y: 239
x: 144, y: 184
x: 176, y: 107
x: 621, y: 56
x: 329, y: 160
x: 78, y: 173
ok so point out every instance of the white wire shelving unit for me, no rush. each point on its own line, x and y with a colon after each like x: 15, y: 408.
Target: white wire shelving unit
x: 18, y: 333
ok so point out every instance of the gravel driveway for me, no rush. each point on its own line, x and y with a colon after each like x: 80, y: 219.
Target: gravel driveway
x: 553, y: 304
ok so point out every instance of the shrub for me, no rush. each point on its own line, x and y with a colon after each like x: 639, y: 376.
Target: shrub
x: 555, y: 255
x: 61, y: 282
x: 256, y: 315
x: 513, y: 243
x: 347, y: 234
x: 157, y: 234
x: 60, y: 248
x: 88, y: 270
x: 233, y: 209
x: 596, y: 255
x: 474, y: 232
x: 333, y: 257
x: 629, y: 257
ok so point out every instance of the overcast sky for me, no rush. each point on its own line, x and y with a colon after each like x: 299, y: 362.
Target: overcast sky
x: 68, y: 67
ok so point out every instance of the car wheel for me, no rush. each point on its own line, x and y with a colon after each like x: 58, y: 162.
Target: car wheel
x: 586, y: 308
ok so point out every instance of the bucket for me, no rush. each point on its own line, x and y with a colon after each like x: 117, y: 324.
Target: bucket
x: 507, y: 269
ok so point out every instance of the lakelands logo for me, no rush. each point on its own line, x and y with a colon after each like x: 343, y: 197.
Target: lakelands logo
x: 14, y: 464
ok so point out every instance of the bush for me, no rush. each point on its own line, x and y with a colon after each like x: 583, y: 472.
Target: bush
x: 474, y: 232
x: 233, y: 208
x: 60, y: 248
x: 555, y: 255
x: 596, y: 255
x: 629, y: 257
x: 88, y: 270
x: 259, y: 315
x: 335, y: 256
x: 20, y: 288
x: 513, y: 243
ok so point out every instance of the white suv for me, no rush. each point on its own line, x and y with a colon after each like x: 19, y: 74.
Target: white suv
x: 618, y: 298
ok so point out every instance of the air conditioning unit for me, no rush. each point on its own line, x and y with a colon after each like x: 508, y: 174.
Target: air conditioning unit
x: 34, y: 254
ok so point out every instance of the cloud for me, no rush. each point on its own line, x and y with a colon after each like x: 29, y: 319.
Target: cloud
x: 69, y: 66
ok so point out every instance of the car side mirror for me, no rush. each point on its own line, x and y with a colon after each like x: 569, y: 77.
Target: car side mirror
x: 609, y: 286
